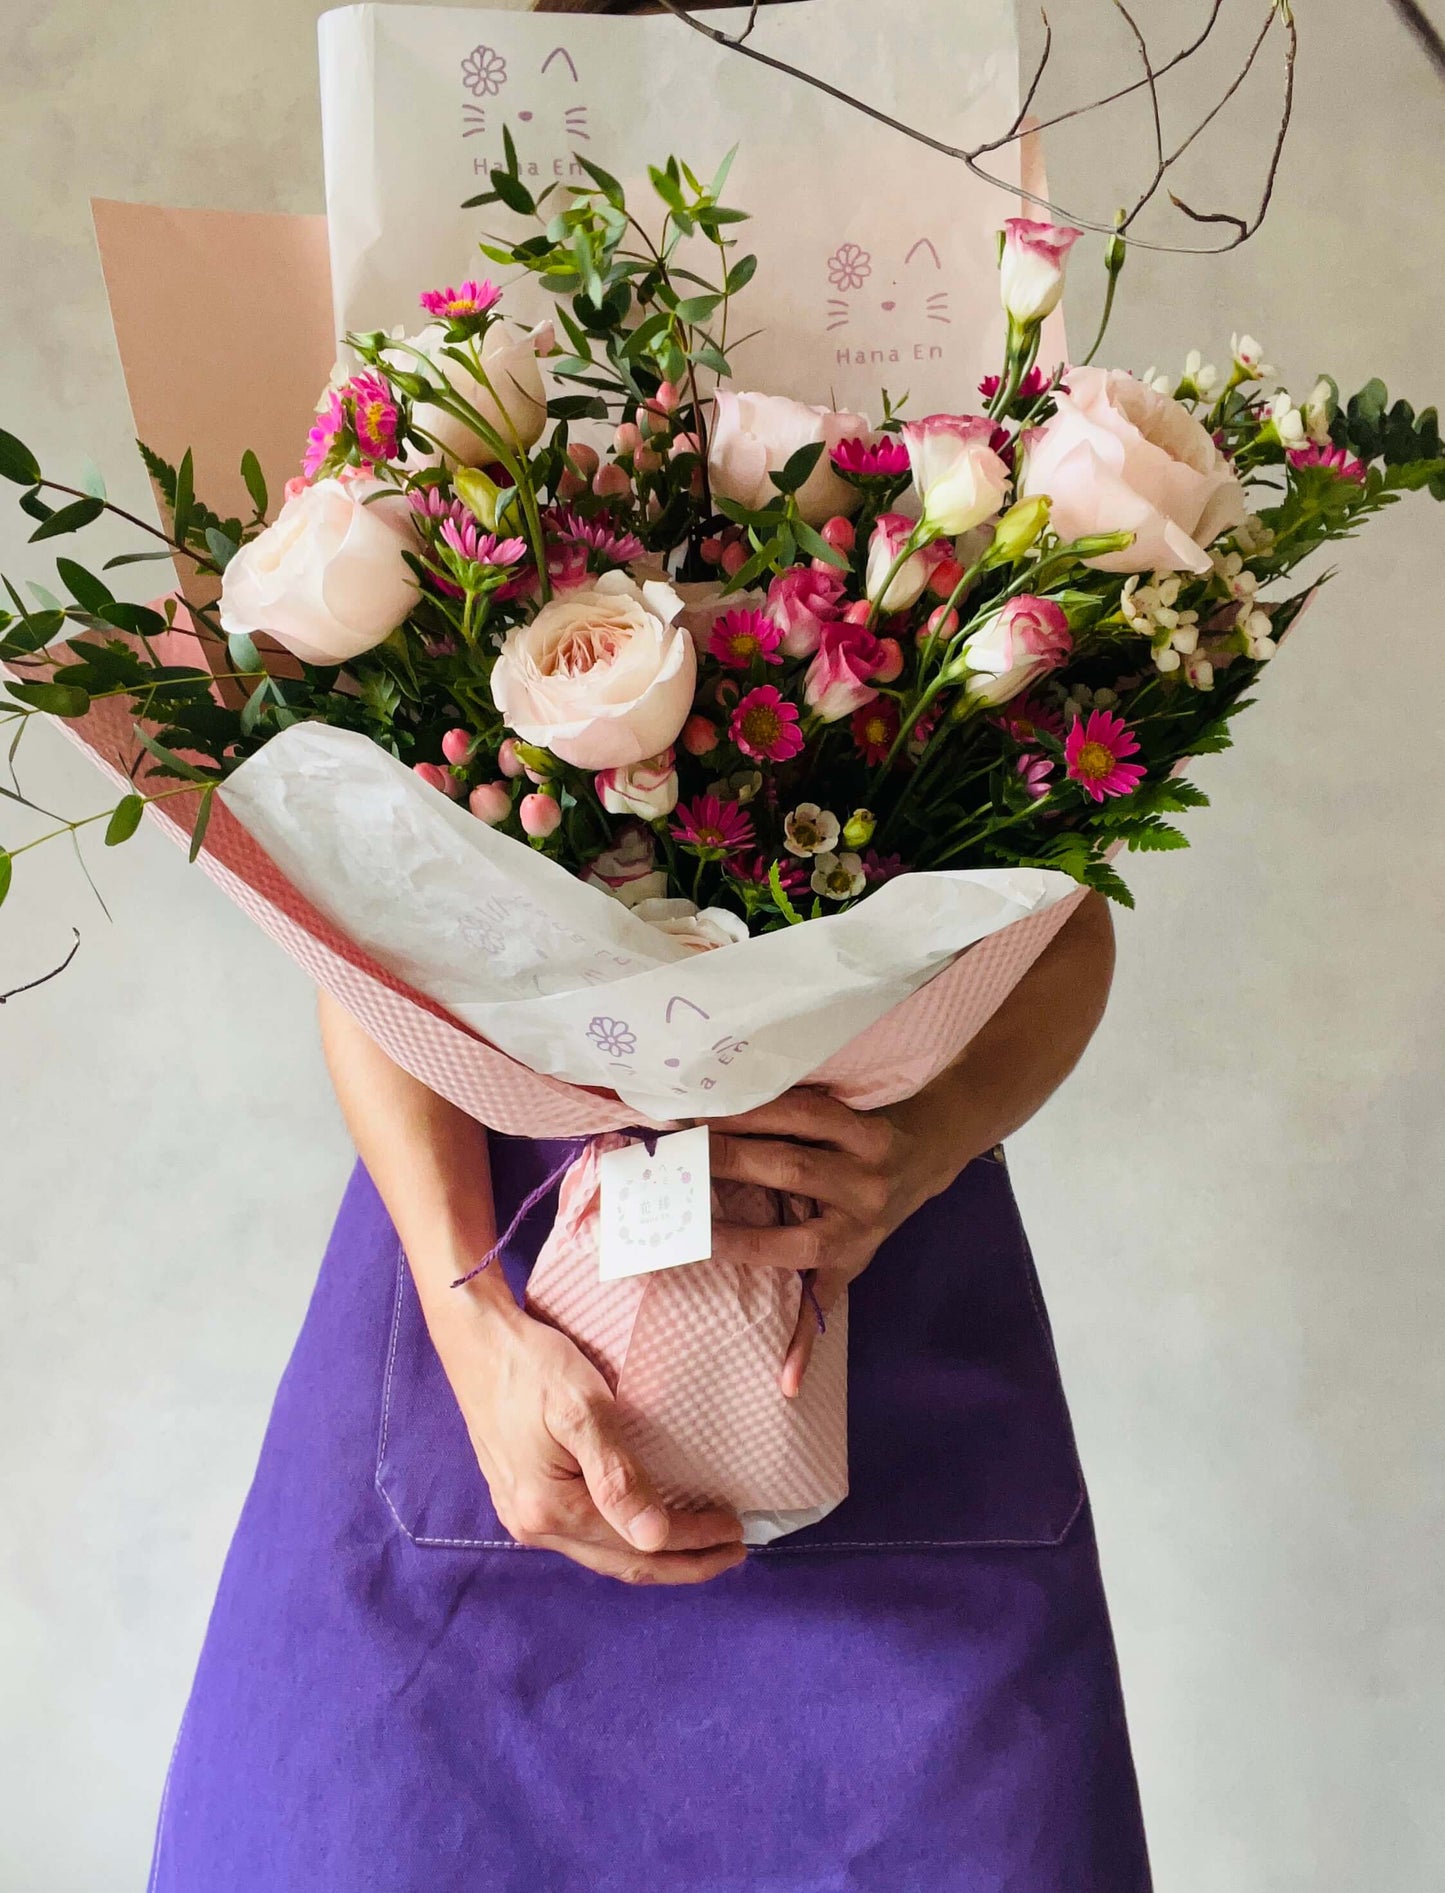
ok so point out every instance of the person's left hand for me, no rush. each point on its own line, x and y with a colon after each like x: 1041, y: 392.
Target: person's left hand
x: 863, y: 1170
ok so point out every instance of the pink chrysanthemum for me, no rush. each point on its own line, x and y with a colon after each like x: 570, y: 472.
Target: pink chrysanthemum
x: 883, y: 459
x: 765, y: 725
x: 1027, y: 717
x: 878, y: 868
x: 741, y: 638
x: 1094, y: 753
x: 330, y: 422
x: 792, y: 874
x: 599, y: 535
x: 468, y: 300
x: 1034, y: 771
x: 466, y: 538
x: 374, y: 415
x: 874, y: 728
x: 1343, y: 465
x: 432, y: 503
x: 713, y: 828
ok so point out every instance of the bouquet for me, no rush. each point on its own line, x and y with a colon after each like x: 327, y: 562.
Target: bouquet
x: 629, y: 748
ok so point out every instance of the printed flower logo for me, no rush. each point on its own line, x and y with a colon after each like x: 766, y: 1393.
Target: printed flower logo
x: 484, y: 71
x: 849, y: 266
x: 613, y: 1036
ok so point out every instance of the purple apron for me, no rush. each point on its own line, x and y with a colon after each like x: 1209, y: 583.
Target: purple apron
x: 919, y: 1692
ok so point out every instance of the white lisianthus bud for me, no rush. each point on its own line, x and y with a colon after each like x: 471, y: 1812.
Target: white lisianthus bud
x: 1031, y: 268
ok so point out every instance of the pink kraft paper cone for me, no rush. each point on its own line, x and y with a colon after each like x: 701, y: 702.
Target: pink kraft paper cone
x: 692, y: 1353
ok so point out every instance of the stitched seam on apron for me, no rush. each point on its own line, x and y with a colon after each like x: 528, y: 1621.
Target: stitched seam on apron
x: 153, y: 1881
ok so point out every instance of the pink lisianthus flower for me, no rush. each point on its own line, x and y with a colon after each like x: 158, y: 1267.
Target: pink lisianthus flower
x: 801, y: 600
x: 740, y: 639
x: 1343, y: 465
x: 765, y: 725
x: 1095, y: 753
x: 646, y: 789
x: 840, y: 678
x: 628, y: 871
x: 712, y: 828
x: 1031, y: 269
x: 959, y: 477
x: 1018, y: 644
x: 462, y: 304
x: 874, y: 728
x: 891, y: 533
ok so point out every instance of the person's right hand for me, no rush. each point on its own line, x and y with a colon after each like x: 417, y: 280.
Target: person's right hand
x: 543, y: 1423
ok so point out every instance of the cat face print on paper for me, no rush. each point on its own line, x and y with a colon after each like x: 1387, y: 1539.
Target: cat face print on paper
x: 541, y: 103
x: 887, y: 308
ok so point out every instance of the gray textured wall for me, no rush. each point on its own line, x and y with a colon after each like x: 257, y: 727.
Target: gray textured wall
x: 1235, y: 1204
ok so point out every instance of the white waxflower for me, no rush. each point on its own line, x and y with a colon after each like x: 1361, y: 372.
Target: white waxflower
x: 1153, y: 610
x: 1316, y: 411
x: 1288, y: 422
x: 1234, y: 575
x: 1249, y: 356
x: 1203, y: 375
x: 1080, y: 700
x: 1197, y: 670
x: 838, y: 876
x: 1152, y: 378
x: 810, y: 830
x: 1255, y: 628
x: 1252, y: 536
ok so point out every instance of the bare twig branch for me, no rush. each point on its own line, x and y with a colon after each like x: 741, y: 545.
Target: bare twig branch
x: 1425, y: 31
x: 1243, y: 228
x: 54, y: 973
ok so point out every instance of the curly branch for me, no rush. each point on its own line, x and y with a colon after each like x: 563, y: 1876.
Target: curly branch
x: 54, y: 973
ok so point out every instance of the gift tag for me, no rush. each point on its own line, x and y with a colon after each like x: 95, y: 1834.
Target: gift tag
x: 656, y: 1205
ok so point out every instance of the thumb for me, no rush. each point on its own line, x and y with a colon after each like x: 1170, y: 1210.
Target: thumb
x: 619, y: 1488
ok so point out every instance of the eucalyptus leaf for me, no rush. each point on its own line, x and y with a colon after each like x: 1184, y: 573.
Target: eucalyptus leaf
x: 203, y: 819
x: 17, y: 463
x: 125, y: 820
x: 7, y: 870
x: 185, y: 497
x: 91, y: 593
x: 67, y: 700
x: 243, y: 652
x: 798, y: 466
x: 255, y: 481
x: 70, y: 518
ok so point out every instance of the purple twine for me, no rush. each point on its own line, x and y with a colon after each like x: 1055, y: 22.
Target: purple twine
x: 529, y: 1203
x: 812, y: 1294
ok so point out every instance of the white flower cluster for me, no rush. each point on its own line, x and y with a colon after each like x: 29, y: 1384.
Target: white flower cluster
x: 1153, y: 610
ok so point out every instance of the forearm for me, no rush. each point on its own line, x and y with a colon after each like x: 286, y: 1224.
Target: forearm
x: 1020, y: 1058
x: 429, y: 1162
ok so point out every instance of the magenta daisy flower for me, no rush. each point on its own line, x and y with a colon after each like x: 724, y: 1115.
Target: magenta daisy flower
x: 599, y: 535
x: 765, y: 725
x: 874, y: 728
x: 883, y: 459
x: 1034, y: 771
x: 878, y: 868
x: 1027, y: 717
x: 1343, y: 465
x: 374, y: 415
x: 467, y: 301
x: 1034, y: 383
x: 320, y: 441
x: 741, y: 638
x: 1094, y: 755
x: 713, y: 828
x: 792, y: 874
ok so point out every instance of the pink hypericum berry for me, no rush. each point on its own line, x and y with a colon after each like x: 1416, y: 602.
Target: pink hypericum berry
x: 570, y: 485
x: 685, y: 444
x: 666, y: 400
x: 858, y: 612
x: 734, y: 557
x: 838, y: 533
x: 508, y: 761
x: 433, y: 777
x: 699, y: 736
x: 628, y: 438
x: 541, y: 816
x: 712, y: 550
x: 457, y: 745
x: 944, y: 578
x: 892, y: 664
x: 491, y: 802
x: 940, y: 624
x: 647, y: 460
x: 584, y: 458
x: 611, y: 482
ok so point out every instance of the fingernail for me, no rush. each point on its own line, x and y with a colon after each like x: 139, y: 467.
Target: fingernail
x: 649, y: 1529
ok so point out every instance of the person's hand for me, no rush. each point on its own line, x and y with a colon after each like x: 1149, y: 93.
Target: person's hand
x: 863, y: 1169
x: 543, y: 1424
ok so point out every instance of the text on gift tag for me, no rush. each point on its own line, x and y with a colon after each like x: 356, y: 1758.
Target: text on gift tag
x: 656, y: 1205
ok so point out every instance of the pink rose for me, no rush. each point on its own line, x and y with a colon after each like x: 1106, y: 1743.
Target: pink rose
x: 891, y: 533
x: 839, y: 679
x: 961, y: 481
x: 327, y: 577
x: 646, y: 789
x: 754, y: 435
x: 801, y: 601
x: 602, y: 676
x: 703, y: 603
x: 1031, y: 269
x: 1028, y: 637
x: 628, y: 871
x: 1117, y: 457
x: 512, y: 401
